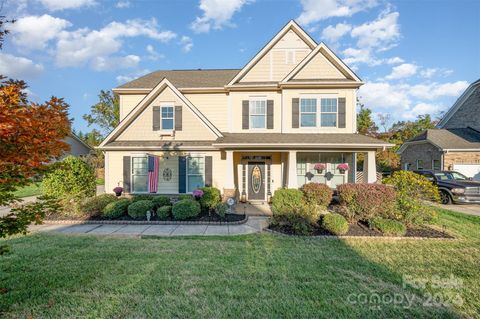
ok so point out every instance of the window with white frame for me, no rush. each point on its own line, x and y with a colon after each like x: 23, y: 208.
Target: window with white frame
x: 308, y: 112
x: 139, y: 174
x: 419, y: 164
x: 328, y: 114
x: 195, y: 173
x: 167, y: 118
x: 436, y: 165
x: 258, y: 113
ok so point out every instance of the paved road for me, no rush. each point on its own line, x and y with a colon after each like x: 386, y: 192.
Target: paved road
x: 470, y: 209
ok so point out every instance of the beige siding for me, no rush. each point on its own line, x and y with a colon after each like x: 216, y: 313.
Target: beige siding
x: 214, y: 106
x: 128, y: 102
x: 192, y: 127
x: 319, y: 68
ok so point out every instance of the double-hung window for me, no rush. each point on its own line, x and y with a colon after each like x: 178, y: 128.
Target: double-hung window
x: 258, y: 113
x: 328, y: 114
x: 419, y: 164
x: 139, y: 174
x: 195, y: 173
x: 167, y: 118
x: 308, y: 112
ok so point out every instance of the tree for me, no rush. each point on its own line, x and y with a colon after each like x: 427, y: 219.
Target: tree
x: 105, y: 113
x: 365, y: 123
x: 92, y: 138
x: 384, y: 120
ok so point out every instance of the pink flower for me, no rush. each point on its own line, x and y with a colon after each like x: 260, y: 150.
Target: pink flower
x: 319, y: 166
x: 198, y: 193
x: 343, y: 167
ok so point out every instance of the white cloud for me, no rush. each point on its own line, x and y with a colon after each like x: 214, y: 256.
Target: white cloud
x: 153, y: 54
x: 18, y: 67
x: 217, y: 14
x: 111, y: 63
x: 355, y: 56
x: 333, y: 33
x: 433, y: 91
x: 34, y: 32
x: 122, y: 4
x: 132, y: 76
x: 317, y: 10
x: 54, y: 5
x: 425, y: 108
x: 431, y: 72
x: 395, y: 60
x: 186, y: 43
x: 402, y: 71
x: 383, y: 95
x: 381, y: 33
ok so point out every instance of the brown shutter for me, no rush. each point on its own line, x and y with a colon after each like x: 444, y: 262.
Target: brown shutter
x: 269, y: 114
x: 341, y: 112
x: 178, y: 117
x: 126, y: 173
x: 245, y: 114
x: 295, y: 111
x: 156, y: 118
x: 208, y: 170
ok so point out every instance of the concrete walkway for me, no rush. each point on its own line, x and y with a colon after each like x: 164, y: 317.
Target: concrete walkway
x: 470, y: 209
x: 253, y: 225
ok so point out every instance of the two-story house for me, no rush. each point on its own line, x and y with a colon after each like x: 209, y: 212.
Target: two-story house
x: 245, y: 131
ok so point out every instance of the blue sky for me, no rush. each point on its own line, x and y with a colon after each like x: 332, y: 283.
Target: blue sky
x: 415, y: 57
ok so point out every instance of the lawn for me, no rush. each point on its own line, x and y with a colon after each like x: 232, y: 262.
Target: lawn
x: 33, y: 189
x: 265, y: 275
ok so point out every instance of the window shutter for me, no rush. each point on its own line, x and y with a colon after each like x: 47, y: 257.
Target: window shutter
x: 178, y: 117
x: 295, y: 111
x: 182, y: 174
x: 156, y: 118
x: 341, y: 112
x: 126, y: 173
x: 269, y: 114
x: 245, y: 114
x: 208, y: 170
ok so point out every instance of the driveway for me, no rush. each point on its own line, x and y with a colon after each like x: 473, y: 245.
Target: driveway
x: 470, y: 209
x: 4, y: 210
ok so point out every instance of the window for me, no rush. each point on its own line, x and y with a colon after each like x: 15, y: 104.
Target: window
x: 328, y: 116
x: 289, y: 57
x: 308, y: 112
x: 419, y: 164
x: 436, y: 165
x: 258, y: 110
x: 139, y: 174
x: 195, y: 173
x: 167, y: 117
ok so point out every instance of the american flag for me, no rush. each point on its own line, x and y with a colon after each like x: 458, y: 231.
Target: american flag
x: 153, y: 167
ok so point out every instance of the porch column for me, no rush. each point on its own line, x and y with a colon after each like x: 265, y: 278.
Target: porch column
x: 292, y: 169
x: 370, y: 167
x: 229, y: 173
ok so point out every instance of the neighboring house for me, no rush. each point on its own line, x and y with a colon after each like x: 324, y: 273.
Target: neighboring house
x: 245, y: 131
x: 77, y: 146
x: 455, y: 144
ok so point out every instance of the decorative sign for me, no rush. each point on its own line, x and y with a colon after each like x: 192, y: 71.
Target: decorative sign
x: 256, y: 179
x: 167, y: 174
x: 230, y: 201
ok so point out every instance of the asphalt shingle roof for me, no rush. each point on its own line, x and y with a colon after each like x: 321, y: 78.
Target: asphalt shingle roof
x: 456, y: 138
x: 294, y: 138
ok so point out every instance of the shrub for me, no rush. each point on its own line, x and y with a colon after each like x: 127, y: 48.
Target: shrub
x: 184, y: 196
x: 411, y: 190
x: 140, y: 197
x: 210, y: 198
x: 160, y: 201
x: 93, y: 206
x: 317, y: 193
x: 138, y: 209
x: 335, y: 223
x: 185, y: 209
x: 221, y: 209
x: 294, y: 224
x: 285, y: 200
x: 164, y: 212
x: 116, y: 209
x: 388, y: 226
x: 71, y: 178
x: 365, y: 201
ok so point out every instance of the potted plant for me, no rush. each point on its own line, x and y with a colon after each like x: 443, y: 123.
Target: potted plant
x: 319, y: 167
x: 343, y: 167
x: 118, y: 190
x: 197, y: 194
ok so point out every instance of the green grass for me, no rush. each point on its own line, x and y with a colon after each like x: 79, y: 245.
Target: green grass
x: 265, y: 275
x: 33, y: 189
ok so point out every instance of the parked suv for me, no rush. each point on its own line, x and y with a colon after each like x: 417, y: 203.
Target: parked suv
x: 454, y: 187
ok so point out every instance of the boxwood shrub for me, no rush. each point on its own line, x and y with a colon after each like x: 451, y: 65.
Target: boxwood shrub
x: 210, y: 199
x: 161, y: 200
x: 335, y: 223
x: 138, y: 209
x: 140, y: 197
x: 116, y: 209
x: 286, y: 200
x: 164, y: 212
x: 387, y: 226
x: 185, y: 209
x: 317, y: 193
x: 93, y: 206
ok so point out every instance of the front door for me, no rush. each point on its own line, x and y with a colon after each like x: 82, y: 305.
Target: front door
x: 256, y: 181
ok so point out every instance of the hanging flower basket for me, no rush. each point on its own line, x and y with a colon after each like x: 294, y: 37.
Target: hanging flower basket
x: 118, y: 191
x: 319, y: 167
x: 343, y: 167
x: 197, y: 194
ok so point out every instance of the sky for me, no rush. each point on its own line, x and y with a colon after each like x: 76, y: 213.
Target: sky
x: 415, y: 56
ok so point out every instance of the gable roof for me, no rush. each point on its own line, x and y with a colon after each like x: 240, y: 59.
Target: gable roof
x: 183, y: 78
x: 468, y: 92
x: 291, y: 25
x: 137, y: 110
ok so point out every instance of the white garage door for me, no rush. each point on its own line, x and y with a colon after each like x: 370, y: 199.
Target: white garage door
x: 469, y: 170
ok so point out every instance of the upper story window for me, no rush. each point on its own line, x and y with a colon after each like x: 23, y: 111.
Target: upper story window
x: 308, y: 112
x: 258, y: 113
x: 167, y: 118
x: 328, y: 116
x: 323, y: 116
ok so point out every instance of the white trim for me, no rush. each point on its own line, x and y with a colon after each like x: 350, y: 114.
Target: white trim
x: 186, y: 173
x: 458, y: 103
x: 172, y: 105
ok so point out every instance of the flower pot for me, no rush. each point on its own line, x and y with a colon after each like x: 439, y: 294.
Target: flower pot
x: 319, y: 171
x: 342, y: 171
x: 118, y: 194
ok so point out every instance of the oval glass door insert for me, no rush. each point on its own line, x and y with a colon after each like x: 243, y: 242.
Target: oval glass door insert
x: 256, y: 179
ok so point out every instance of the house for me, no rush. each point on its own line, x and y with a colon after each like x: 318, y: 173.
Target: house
x: 454, y: 144
x: 77, y: 146
x: 245, y: 131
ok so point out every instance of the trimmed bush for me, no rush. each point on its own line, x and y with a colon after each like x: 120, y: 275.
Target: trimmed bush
x: 185, y: 209
x: 317, y: 193
x: 138, y: 209
x: 160, y: 201
x: 365, y: 201
x: 93, y: 206
x: 184, y: 196
x: 140, y: 197
x: 116, y: 209
x: 286, y: 200
x: 164, y: 212
x: 294, y: 224
x: 388, y: 227
x: 221, y: 209
x: 210, y: 199
x: 335, y: 223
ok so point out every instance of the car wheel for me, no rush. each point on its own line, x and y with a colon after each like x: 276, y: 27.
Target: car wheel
x: 445, y: 198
